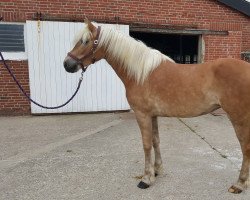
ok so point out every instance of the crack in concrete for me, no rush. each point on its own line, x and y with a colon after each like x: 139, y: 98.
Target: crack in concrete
x: 207, y: 142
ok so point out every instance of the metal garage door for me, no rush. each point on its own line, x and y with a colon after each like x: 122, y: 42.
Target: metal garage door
x: 50, y: 84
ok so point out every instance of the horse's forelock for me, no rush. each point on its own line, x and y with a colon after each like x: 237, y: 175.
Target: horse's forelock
x: 83, y: 34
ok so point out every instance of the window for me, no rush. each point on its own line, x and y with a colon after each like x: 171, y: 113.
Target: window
x: 12, y: 41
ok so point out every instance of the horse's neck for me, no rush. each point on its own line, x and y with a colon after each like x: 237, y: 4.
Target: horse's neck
x: 120, y: 71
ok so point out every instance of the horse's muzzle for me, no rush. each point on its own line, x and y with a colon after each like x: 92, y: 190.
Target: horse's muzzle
x: 70, y: 65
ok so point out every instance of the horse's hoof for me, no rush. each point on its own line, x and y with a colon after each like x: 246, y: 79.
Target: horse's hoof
x: 235, y: 190
x: 143, y: 185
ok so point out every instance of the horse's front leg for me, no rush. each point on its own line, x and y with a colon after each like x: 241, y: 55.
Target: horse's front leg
x: 145, y: 124
x: 156, y: 144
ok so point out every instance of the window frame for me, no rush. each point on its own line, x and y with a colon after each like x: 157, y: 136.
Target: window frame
x: 18, y: 55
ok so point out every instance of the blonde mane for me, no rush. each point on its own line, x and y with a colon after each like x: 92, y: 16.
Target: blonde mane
x: 134, y: 56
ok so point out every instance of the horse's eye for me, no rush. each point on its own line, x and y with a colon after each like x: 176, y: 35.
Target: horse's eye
x: 84, y: 42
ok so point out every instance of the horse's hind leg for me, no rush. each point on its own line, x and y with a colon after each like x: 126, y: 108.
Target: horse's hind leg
x: 145, y: 124
x: 156, y: 144
x: 243, y: 134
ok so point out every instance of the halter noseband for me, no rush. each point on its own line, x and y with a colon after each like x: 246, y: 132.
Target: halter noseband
x: 91, y: 53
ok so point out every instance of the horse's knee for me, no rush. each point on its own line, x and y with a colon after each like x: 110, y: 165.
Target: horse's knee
x: 147, y: 146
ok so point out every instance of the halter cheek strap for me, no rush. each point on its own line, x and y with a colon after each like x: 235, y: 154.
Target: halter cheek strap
x: 91, y: 53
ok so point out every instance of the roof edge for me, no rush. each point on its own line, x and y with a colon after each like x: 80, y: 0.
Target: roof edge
x: 240, y: 5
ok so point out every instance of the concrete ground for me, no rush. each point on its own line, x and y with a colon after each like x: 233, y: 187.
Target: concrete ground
x: 100, y: 156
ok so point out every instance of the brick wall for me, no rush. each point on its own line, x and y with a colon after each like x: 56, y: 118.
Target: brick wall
x: 203, y: 14
x: 12, y: 102
x: 223, y: 46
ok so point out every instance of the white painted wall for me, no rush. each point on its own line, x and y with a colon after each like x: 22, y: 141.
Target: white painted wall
x: 50, y: 85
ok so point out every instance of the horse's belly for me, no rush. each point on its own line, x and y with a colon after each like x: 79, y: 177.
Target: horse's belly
x: 184, y: 107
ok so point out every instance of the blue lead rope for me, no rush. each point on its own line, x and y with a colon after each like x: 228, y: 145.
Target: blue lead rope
x: 28, y: 97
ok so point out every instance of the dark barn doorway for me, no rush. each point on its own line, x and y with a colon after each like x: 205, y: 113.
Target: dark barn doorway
x: 181, y: 48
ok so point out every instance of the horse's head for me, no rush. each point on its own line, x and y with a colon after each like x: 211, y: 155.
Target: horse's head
x: 86, y: 50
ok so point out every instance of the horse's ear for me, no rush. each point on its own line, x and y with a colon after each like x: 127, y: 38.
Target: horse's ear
x: 91, y: 26
x: 86, y: 20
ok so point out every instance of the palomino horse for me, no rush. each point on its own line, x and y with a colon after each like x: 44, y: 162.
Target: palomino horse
x: 157, y: 86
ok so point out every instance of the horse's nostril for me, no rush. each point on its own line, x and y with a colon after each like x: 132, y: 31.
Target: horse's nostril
x: 65, y: 64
